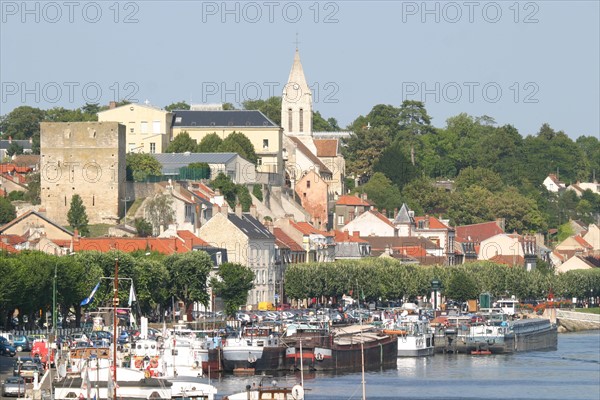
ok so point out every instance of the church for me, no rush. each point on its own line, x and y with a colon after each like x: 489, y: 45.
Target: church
x: 313, y: 163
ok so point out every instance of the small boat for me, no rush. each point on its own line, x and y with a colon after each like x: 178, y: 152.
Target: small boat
x: 415, y: 338
x: 255, y: 348
x: 269, y: 393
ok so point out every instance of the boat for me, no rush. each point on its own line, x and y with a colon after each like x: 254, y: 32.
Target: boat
x: 415, y: 338
x: 272, y: 392
x: 253, y: 349
x: 342, y: 349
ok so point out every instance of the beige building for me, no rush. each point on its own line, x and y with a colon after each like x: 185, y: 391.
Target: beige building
x: 249, y: 243
x: 30, y: 221
x: 264, y: 134
x: 84, y: 158
x: 148, y: 128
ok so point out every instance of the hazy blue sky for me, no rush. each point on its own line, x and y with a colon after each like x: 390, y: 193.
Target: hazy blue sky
x: 523, y: 63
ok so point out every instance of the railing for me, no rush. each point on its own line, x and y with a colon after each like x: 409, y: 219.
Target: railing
x: 46, y: 332
x: 562, y: 314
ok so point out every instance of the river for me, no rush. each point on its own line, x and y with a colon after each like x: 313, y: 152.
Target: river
x: 571, y: 372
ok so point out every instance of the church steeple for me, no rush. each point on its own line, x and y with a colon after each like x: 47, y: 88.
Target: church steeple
x: 296, y: 101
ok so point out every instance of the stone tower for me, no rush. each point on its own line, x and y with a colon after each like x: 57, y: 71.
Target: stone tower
x: 296, y: 102
x: 84, y: 158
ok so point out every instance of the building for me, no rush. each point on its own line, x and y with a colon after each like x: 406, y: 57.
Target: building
x: 510, y: 249
x: 249, y: 243
x: 318, y: 245
x: 6, y: 144
x: 84, y: 158
x: 348, y: 207
x: 553, y: 184
x: 580, y: 187
x: 147, y: 128
x: 372, y: 223
x: 264, y: 134
x: 232, y: 165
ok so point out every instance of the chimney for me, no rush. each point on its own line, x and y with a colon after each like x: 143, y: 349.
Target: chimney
x: 269, y: 225
x: 9, y: 139
x: 112, y: 104
x: 364, y: 196
x: 501, y: 223
x: 30, y: 140
x: 224, y: 209
x: 356, y: 234
x: 426, y: 224
x: 75, y: 234
x: 253, y: 211
x: 395, y: 212
x: 238, y: 210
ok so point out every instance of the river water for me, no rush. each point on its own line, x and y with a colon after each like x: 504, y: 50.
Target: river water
x: 571, y: 372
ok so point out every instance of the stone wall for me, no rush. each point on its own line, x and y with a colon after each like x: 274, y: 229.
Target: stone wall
x: 84, y: 158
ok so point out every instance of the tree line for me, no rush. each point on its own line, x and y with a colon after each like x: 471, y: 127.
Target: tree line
x: 28, y: 277
x: 381, y: 279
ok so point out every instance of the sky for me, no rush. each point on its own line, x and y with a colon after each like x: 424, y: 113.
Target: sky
x: 523, y: 63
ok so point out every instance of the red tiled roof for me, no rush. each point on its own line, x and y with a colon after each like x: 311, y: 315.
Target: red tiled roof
x: 8, y: 248
x: 582, y: 242
x: 555, y: 179
x: 347, y: 237
x: 434, y: 223
x: 128, y: 245
x: 411, y: 251
x: 191, y: 240
x: 326, y: 147
x: 305, y: 228
x: 508, y: 260
x: 350, y: 200
x: 286, y: 240
x: 478, y: 232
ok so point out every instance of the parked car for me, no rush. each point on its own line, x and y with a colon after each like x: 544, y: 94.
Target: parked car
x: 21, y: 343
x: 6, y: 349
x: 13, y: 386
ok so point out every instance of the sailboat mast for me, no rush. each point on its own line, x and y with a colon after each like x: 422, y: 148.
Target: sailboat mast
x: 115, y: 322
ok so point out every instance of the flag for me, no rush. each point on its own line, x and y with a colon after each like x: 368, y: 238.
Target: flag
x: 131, y: 295
x: 89, y: 299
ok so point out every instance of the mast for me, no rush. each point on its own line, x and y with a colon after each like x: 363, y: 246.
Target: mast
x: 115, y: 321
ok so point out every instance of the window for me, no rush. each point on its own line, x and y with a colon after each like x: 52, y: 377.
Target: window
x: 265, y: 144
x: 259, y: 161
x: 152, y: 148
x: 340, y: 220
x: 301, y: 120
x: 308, y: 184
x: 155, y: 126
x: 132, y: 127
x: 290, y: 117
x: 177, y: 120
x: 131, y: 147
x: 144, y: 127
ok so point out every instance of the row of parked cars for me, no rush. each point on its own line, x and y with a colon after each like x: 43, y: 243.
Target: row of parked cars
x: 24, y: 370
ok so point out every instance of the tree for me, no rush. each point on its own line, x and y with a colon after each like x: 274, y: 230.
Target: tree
x: 233, y: 193
x: 382, y: 192
x: 320, y: 124
x: 180, y: 105
x: 270, y: 107
x: 140, y: 166
x: 188, y: 274
x: 143, y: 227
x: 237, y: 142
x: 14, y: 149
x: 33, y: 188
x: 77, y: 216
x: 232, y: 284
x: 257, y: 192
x: 7, y: 211
x: 209, y: 144
x: 16, y: 195
x: 363, y: 149
x: 395, y: 163
x: 478, y: 176
x: 182, y: 143
x: 414, y: 121
x: 22, y: 123
x: 159, y: 211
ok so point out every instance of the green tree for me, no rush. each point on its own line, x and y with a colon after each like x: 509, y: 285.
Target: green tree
x: 257, y: 192
x: 77, y: 216
x: 209, y: 144
x: 140, y: 166
x: 182, y: 143
x: 16, y: 195
x: 382, y: 192
x: 321, y: 124
x: 414, y: 121
x: 7, y: 211
x: 461, y: 286
x: 14, y: 149
x: 180, y: 105
x: 188, y: 274
x: 159, y: 211
x: 363, y: 149
x: 271, y: 107
x: 237, y: 142
x: 478, y: 176
x: 22, y: 123
x: 33, y: 188
x: 143, y: 227
x: 232, y: 284
x: 395, y: 163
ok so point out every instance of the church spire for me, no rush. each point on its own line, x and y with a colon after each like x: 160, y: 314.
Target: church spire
x: 296, y: 101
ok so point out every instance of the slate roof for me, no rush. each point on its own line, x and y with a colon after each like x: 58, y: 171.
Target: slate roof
x: 403, y: 217
x: 250, y: 226
x: 228, y: 118
x: 5, y: 144
x: 171, y: 162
